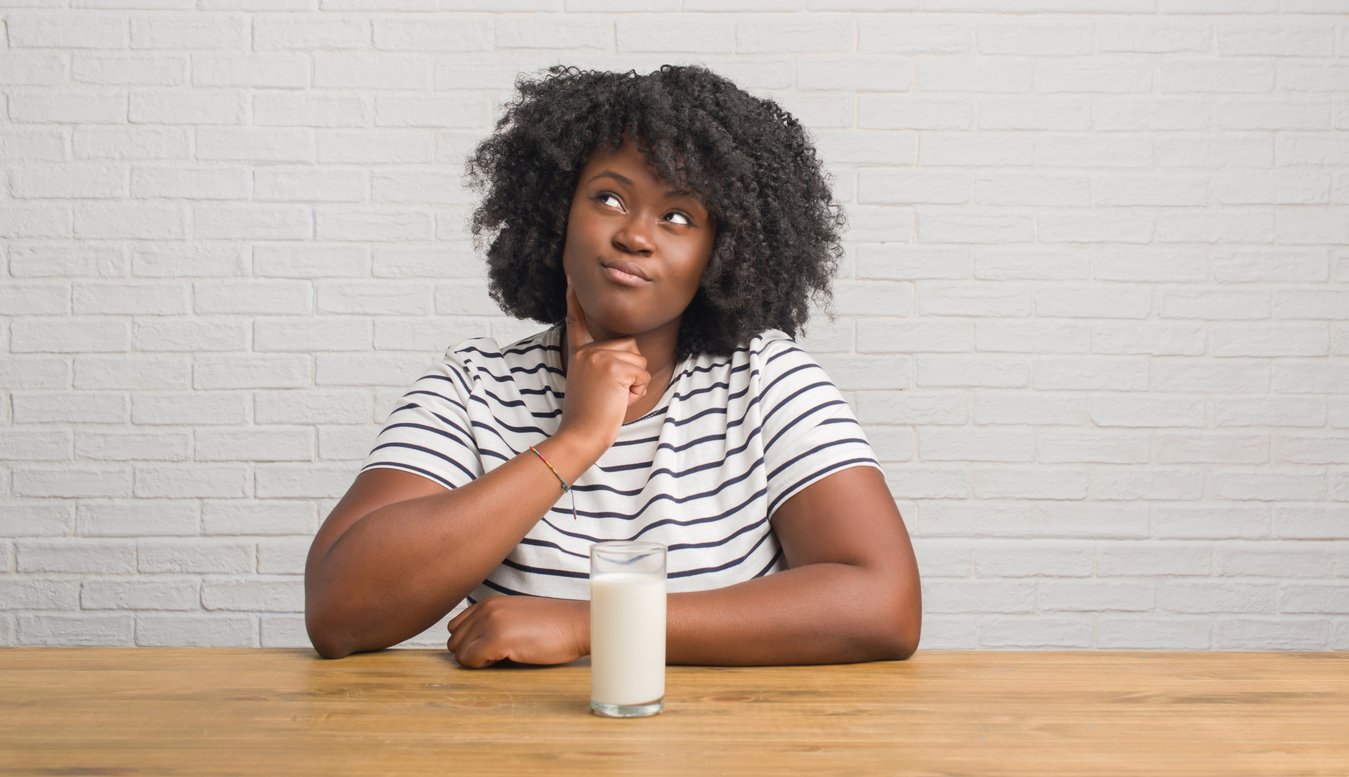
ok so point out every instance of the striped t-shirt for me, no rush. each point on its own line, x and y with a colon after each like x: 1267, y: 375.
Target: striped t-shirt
x: 732, y: 438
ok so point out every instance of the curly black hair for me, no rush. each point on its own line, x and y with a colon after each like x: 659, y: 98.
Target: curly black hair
x: 749, y: 162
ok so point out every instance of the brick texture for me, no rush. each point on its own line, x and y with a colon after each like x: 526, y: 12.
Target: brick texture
x: 1094, y: 312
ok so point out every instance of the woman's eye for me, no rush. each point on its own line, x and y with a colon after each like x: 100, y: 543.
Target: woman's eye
x: 609, y: 199
x: 680, y: 218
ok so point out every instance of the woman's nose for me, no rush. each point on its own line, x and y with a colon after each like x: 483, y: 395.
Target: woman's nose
x: 634, y: 237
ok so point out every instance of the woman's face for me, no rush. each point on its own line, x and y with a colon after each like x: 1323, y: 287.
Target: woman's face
x: 636, y: 247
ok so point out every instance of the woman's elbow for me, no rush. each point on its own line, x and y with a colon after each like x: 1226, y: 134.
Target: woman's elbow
x: 322, y: 625
x: 901, y: 626
x: 326, y: 642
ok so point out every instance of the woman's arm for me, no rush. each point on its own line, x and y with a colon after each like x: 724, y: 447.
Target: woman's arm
x: 399, y: 551
x: 850, y: 593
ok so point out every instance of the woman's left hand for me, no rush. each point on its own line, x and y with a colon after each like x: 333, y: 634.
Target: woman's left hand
x: 523, y: 629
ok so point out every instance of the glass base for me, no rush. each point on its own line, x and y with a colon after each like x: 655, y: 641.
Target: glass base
x: 626, y: 710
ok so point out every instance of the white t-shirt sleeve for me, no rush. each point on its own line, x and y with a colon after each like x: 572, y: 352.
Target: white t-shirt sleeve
x: 809, y: 431
x: 430, y: 432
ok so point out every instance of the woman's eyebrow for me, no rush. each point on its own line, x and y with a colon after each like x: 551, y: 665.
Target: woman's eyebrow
x: 616, y: 176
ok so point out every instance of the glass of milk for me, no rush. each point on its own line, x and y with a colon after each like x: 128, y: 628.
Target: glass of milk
x: 627, y: 628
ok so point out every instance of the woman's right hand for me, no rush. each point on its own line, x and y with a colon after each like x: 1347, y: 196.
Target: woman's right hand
x: 603, y: 379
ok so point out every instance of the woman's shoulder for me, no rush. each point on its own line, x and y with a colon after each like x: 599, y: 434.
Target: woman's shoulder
x: 486, y: 355
x: 773, y: 351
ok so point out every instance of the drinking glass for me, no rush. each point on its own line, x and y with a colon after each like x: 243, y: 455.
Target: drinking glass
x: 627, y: 628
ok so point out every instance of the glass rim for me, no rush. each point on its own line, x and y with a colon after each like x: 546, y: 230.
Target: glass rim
x: 627, y: 547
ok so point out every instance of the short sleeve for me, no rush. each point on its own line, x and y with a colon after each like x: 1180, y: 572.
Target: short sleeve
x: 429, y: 433
x: 809, y: 431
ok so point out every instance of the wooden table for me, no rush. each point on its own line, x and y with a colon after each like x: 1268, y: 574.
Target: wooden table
x: 152, y: 711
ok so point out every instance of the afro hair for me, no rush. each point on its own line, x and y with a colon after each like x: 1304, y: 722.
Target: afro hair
x: 750, y: 163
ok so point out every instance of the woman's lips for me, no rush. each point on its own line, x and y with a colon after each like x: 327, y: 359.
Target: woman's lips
x: 625, y: 274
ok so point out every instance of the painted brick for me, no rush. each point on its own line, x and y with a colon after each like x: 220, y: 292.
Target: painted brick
x: 1008, y: 408
x: 319, y: 406
x: 702, y: 35
x: 67, y: 30
x: 135, y: 143
x: 138, y: 518
x: 307, y: 335
x: 431, y: 34
x: 194, y: 556
x: 83, y: 629
x: 1134, y: 484
x: 255, y: 145
x: 1222, y: 521
x: 35, y: 372
x: 268, y: 371
x: 190, y: 31
x: 70, y: 407
x: 133, y: 445
x: 310, y: 260
x: 306, y: 32
x: 83, y: 181
x: 251, y: 223
x: 242, y: 517
x: 177, y: 481
x: 190, y: 334
x: 35, y: 443
x: 1095, y: 596
x: 162, y: 630
x: 1142, y: 633
x: 135, y: 222
x: 189, y: 408
x: 1062, y: 446
x: 372, y: 71
x: 366, y: 224
x: 116, y: 594
x: 77, y: 555
x: 32, y: 144
x: 35, y: 221
x: 285, y: 109
x: 256, y: 70
x: 198, y: 183
x: 270, y: 594
x: 982, y: 371
x: 265, y: 297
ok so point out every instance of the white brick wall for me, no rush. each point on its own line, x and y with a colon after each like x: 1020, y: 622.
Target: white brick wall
x: 1094, y: 313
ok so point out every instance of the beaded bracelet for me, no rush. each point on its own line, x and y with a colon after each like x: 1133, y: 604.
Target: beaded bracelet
x: 565, y: 488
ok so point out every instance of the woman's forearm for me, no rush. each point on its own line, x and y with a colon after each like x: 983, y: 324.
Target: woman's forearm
x: 399, y: 568
x: 815, y: 614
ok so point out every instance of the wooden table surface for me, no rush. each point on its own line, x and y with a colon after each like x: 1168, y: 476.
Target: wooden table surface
x: 155, y: 711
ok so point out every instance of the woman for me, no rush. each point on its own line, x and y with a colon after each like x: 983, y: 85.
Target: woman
x: 673, y: 229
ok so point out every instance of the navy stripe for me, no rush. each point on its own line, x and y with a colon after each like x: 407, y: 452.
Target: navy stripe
x: 756, y: 496
x: 769, y: 566
x: 801, y: 417
x: 821, y: 447
x: 735, y: 562
x: 671, y: 473
x: 501, y: 589
x: 427, y: 451
x: 409, y: 468
x: 446, y: 433
x: 568, y: 573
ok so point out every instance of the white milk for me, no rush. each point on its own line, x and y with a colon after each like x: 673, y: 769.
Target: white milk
x: 627, y: 638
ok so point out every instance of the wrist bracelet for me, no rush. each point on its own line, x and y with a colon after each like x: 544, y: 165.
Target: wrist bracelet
x: 565, y: 487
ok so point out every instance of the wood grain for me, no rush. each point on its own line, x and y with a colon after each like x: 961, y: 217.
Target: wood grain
x: 152, y: 711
